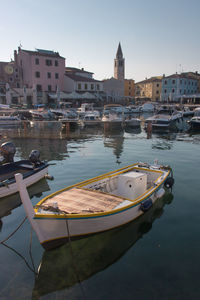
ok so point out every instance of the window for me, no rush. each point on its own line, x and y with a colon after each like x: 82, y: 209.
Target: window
x: 11, y: 79
x: 92, y: 86
x: 157, y: 92
x: 173, y: 90
x: 48, y: 75
x: 49, y: 88
x: 37, y: 62
x: 189, y: 83
x: 157, y: 84
x: 16, y: 70
x: 56, y: 63
x: 165, y: 81
x: 56, y: 75
x: 97, y: 86
x: 79, y: 86
x: 48, y: 62
x: 180, y: 91
x: 180, y: 81
x: 86, y: 87
x: 165, y: 91
x: 173, y: 81
x: 38, y: 87
x: 37, y: 74
x: 17, y: 85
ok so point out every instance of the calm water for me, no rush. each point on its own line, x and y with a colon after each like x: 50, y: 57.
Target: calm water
x: 155, y: 257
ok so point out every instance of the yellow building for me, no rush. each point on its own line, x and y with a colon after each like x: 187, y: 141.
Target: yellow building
x: 129, y: 88
x: 149, y: 89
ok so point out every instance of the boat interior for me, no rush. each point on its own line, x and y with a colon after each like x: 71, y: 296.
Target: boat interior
x: 103, y: 193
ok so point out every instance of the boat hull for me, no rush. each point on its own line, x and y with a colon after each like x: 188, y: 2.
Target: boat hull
x: 9, y: 189
x: 57, y: 231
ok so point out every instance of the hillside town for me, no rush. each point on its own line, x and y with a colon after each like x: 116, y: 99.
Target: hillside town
x: 41, y: 77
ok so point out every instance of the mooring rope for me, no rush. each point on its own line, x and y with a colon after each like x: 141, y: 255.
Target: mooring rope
x: 73, y: 260
x: 3, y: 241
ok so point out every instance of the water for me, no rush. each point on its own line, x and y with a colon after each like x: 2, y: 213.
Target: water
x: 155, y: 257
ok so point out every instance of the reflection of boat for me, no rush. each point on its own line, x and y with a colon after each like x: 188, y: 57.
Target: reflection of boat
x: 92, y: 254
x: 113, y: 116
x: 98, y: 204
x: 32, y: 169
x: 7, y: 204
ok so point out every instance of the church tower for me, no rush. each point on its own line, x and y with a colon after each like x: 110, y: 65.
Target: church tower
x: 119, y: 66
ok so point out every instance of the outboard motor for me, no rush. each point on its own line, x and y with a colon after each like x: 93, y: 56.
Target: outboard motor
x: 34, y: 157
x: 7, y: 150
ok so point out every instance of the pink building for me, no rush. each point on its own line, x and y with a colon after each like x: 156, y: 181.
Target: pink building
x: 42, y: 70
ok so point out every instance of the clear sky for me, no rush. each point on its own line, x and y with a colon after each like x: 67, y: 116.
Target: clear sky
x: 157, y: 36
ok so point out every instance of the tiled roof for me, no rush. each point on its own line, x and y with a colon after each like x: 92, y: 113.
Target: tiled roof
x: 183, y: 75
x: 150, y: 80
x: 81, y: 78
x: 71, y: 69
x: 43, y: 53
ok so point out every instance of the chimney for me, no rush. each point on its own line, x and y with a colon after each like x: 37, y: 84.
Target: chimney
x: 15, y: 56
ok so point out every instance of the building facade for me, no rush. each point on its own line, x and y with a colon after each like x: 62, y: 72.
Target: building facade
x: 129, y: 88
x: 10, y: 73
x: 114, y: 90
x: 119, y: 64
x: 42, y: 70
x: 176, y: 86
x: 149, y: 89
x: 79, y: 80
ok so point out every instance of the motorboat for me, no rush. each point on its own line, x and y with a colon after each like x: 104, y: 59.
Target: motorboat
x: 132, y: 122
x: 113, y: 116
x: 194, y: 122
x: 90, y: 119
x: 96, y: 205
x: 165, y: 118
x: 10, y: 121
x: 32, y: 169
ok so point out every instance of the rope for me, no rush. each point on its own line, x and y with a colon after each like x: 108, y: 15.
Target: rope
x: 73, y: 260
x: 2, y: 242
x: 21, y: 256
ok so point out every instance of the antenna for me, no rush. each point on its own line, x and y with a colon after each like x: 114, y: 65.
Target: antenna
x: 20, y: 44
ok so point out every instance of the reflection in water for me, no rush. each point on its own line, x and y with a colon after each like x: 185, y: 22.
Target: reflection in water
x: 114, y: 141
x: 7, y: 204
x: 66, y: 266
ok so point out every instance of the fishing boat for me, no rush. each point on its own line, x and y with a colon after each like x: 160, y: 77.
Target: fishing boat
x: 92, y: 254
x: 95, y: 205
x: 90, y: 119
x: 32, y: 169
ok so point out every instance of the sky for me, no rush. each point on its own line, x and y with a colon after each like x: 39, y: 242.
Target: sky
x: 157, y: 36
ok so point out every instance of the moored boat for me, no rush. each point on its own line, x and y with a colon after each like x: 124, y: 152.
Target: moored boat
x: 32, y: 170
x: 194, y: 122
x: 96, y: 205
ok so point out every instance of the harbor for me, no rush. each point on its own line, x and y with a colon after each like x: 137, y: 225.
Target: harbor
x: 159, y: 249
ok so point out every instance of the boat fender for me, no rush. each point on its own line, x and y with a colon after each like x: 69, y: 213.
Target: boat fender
x: 50, y: 177
x: 146, y: 205
x: 169, y: 182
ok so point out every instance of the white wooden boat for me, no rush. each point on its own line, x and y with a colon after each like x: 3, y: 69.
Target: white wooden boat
x: 93, y: 253
x: 95, y: 205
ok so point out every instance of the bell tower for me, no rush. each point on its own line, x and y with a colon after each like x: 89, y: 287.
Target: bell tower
x: 119, y: 66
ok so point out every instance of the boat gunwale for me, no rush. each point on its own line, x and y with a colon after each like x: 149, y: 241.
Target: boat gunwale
x: 135, y: 202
